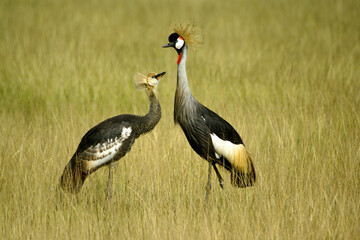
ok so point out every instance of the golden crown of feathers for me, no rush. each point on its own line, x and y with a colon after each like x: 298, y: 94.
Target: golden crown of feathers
x: 190, y: 32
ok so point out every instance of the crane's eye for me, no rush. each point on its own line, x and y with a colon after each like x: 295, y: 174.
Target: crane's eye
x: 179, y: 43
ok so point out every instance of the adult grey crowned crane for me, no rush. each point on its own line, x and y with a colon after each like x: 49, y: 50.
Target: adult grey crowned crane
x: 213, y: 138
x: 110, y: 140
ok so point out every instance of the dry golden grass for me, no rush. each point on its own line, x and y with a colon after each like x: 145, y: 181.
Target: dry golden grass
x: 285, y: 74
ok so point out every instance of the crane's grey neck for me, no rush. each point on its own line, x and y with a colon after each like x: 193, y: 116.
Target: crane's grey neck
x: 185, y: 103
x: 154, y: 114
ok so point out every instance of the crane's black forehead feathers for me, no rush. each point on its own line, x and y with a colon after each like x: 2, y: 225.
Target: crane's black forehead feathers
x: 173, y: 37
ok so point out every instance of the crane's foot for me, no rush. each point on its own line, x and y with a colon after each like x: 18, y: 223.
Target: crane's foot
x: 108, y: 196
x: 221, y: 183
x: 208, y: 190
x: 108, y: 191
x: 208, y: 186
x: 221, y: 180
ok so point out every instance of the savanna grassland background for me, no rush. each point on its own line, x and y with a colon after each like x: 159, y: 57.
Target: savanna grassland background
x: 285, y: 74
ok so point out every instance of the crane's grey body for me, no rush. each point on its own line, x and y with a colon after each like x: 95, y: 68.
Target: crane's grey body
x: 210, y: 136
x: 197, y: 121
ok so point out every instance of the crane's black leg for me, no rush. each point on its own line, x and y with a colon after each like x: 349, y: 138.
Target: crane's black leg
x: 208, y: 186
x: 108, y: 192
x: 221, y: 180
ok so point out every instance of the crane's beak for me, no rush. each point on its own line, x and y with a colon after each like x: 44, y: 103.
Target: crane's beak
x: 170, y: 44
x: 160, y: 75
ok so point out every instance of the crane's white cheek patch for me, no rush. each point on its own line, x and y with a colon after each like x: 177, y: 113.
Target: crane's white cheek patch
x: 100, y: 154
x: 179, y: 43
x: 225, y: 148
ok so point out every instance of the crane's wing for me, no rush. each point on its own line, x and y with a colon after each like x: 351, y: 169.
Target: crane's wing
x: 229, y: 149
x: 105, y: 131
x: 107, y: 141
x: 219, y: 126
x: 199, y: 135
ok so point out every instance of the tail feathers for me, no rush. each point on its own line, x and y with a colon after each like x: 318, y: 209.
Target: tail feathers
x: 73, y: 177
x: 243, y: 172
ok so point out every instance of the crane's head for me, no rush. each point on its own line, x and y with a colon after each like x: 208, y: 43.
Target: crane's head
x: 176, y: 41
x: 148, y: 82
x: 184, y: 34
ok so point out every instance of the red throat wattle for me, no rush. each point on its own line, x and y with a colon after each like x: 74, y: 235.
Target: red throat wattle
x: 179, y: 58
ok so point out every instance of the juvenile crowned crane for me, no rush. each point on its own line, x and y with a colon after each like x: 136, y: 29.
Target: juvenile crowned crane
x: 213, y: 138
x: 110, y: 140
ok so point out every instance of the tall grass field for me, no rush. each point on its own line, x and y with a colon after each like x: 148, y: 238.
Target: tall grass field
x: 285, y: 74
